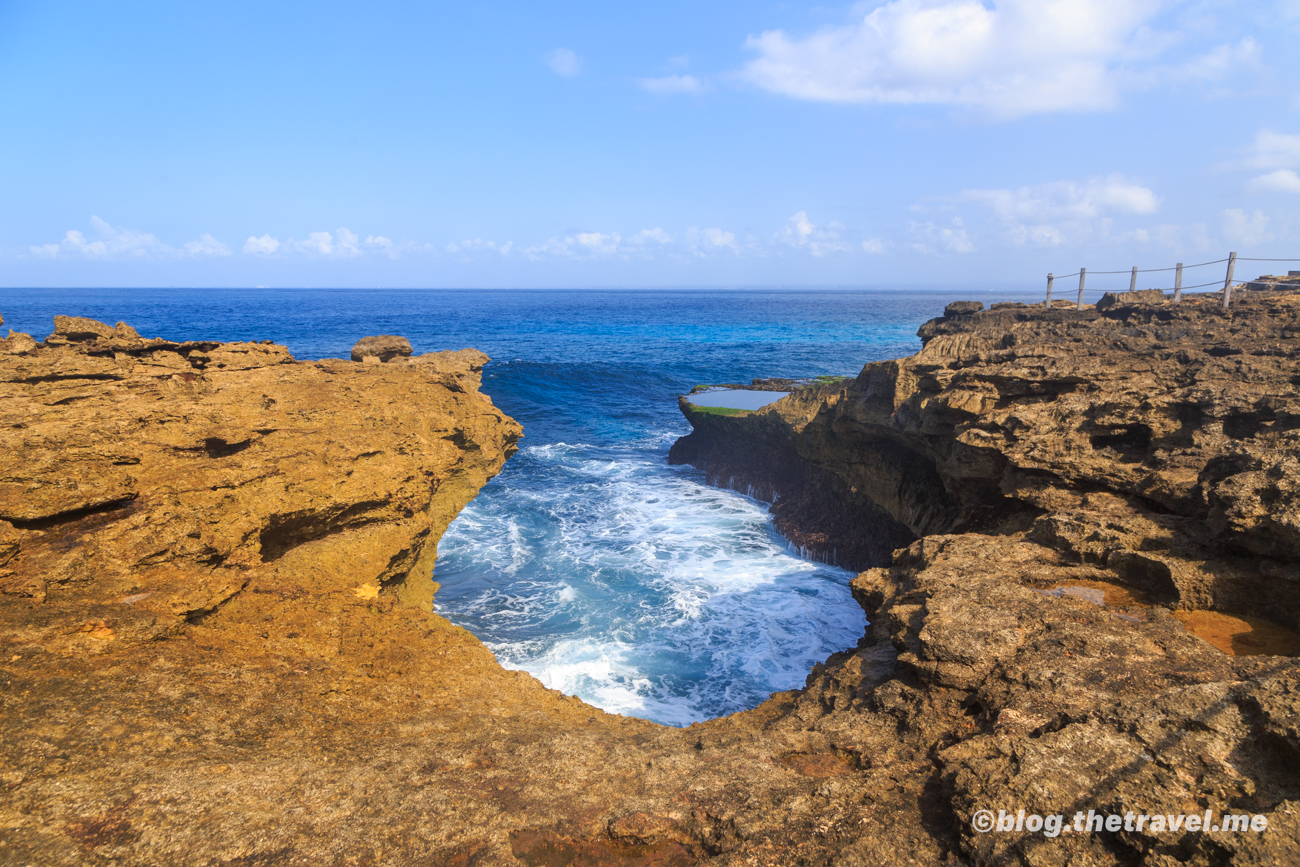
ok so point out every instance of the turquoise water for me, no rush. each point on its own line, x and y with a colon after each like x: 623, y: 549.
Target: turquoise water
x: 589, y: 561
x: 735, y: 398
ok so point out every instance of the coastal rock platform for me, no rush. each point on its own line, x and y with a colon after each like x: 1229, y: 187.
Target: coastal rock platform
x: 218, y: 642
x: 1091, y: 492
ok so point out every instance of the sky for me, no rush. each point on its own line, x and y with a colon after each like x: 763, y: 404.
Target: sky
x: 642, y: 144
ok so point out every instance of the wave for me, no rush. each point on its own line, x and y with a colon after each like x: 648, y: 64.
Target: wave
x: 611, y: 576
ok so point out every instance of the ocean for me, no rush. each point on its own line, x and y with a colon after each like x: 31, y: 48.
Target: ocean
x: 589, y: 562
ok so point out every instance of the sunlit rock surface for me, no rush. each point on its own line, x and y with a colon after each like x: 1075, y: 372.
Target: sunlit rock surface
x: 216, y: 643
x: 1141, y: 454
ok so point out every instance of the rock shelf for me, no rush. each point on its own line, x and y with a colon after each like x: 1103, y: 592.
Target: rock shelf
x: 218, y: 643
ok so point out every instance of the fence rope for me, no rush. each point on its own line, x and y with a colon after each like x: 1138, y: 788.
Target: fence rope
x: 1218, y: 283
x: 1185, y: 267
x: 1227, y: 283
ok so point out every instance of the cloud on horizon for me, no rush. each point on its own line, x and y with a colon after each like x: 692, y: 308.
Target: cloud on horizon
x: 115, y: 242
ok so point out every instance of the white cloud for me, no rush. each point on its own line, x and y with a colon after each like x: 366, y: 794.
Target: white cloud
x: 383, y: 245
x: 317, y: 242
x: 347, y: 243
x: 646, y: 237
x: 111, y: 242
x: 580, y: 245
x: 671, y: 84
x: 1044, y: 214
x: 264, y: 245
x: 563, y: 62
x: 1274, y: 150
x: 1280, y: 181
x: 341, y: 243
x: 114, y: 242
x: 1246, y: 229
x: 874, y: 246
x: 705, y: 242
x: 1014, y: 58
x: 1068, y: 199
x: 1040, y: 236
x: 598, y: 242
x: 1217, y: 63
x: 206, y: 245
x: 952, y: 238
x: 800, y: 232
x: 478, y: 245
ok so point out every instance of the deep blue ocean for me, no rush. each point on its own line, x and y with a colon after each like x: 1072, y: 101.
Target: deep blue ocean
x: 589, y: 561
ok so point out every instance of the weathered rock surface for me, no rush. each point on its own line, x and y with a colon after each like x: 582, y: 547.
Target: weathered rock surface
x: 384, y: 347
x: 216, y: 643
x: 1147, y: 450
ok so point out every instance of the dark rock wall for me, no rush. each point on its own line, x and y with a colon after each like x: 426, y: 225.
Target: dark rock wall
x: 812, y: 507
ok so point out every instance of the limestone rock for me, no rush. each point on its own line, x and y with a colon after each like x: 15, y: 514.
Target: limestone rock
x: 1072, y: 476
x: 384, y: 347
x: 17, y: 343
x: 75, y: 329
x: 1130, y: 299
x: 963, y: 308
x: 217, y: 646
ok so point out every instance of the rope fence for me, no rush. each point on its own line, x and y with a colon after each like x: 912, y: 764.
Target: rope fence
x: 1178, y: 287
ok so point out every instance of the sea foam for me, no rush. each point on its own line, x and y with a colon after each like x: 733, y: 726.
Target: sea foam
x: 611, y: 576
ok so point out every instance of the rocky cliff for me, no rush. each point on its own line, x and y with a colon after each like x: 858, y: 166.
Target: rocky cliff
x: 216, y: 642
x: 1101, y: 608
x: 216, y: 645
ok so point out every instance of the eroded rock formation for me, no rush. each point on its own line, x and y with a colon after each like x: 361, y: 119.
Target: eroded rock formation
x: 1141, y: 454
x: 381, y: 348
x: 216, y: 645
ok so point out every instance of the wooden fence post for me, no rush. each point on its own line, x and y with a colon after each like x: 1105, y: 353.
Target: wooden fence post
x: 1178, y: 283
x: 1227, y: 281
x: 1048, y: 302
x: 1133, y: 281
x: 1082, y: 272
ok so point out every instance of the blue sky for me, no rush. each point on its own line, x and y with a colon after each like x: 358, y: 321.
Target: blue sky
x: 641, y: 144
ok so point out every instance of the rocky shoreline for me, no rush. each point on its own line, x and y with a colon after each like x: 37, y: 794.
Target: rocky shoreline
x: 217, y: 644
x: 1097, y: 494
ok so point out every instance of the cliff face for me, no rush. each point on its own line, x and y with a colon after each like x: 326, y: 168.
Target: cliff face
x: 1130, y: 436
x: 812, y: 506
x: 1089, y: 486
x: 216, y: 644
x: 193, y: 476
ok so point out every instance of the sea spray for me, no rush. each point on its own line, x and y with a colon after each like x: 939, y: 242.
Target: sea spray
x: 611, y: 576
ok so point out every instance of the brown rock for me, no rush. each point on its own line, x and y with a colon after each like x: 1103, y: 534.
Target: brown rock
x: 1139, y: 454
x: 1130, y: 299
x: 17, y: 343
x: 215, y: 613
x: 384, y: 347
x: 75, y: 329
x: 9, y: 542
x: 963, y: 308
x: 239, y: 664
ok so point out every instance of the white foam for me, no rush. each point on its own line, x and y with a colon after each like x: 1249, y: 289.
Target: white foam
x: 611, y: 576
